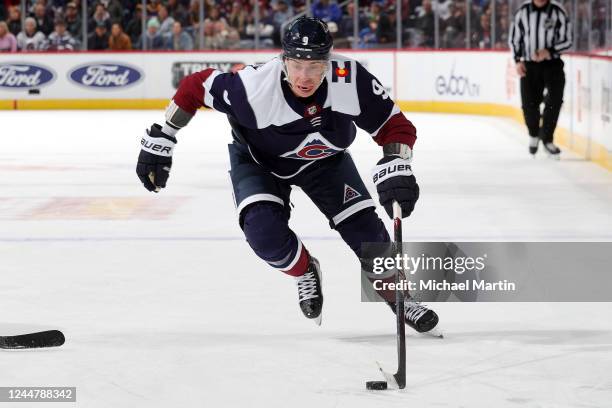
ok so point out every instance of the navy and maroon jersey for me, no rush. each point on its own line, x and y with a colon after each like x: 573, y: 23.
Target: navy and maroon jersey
x: 286, y: 134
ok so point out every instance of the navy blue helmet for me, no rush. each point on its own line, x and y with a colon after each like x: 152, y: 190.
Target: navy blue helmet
x: 307, y: 38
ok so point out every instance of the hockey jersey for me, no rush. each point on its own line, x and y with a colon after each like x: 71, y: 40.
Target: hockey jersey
x: 286, y: 134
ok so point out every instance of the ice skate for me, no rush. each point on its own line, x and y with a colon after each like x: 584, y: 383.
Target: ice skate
x: 534, y: 141
x: 419, y: 317
x: 309, y: 291
x: 553, y: 151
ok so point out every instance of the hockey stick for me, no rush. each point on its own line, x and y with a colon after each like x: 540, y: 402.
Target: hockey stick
x: 49, y: 338
x: 398, y: 380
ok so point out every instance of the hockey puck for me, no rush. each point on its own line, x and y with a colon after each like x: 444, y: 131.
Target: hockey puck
x: 376, y: 385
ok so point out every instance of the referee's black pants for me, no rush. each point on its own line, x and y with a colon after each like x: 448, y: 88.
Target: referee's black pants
x: 547, y: 75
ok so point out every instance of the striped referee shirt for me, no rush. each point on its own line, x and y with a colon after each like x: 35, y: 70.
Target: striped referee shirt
x: 537, y: 28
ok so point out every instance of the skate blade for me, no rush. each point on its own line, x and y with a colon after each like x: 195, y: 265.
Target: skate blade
x: 319, y: 318
x: 554, y: 156
x: 389, y: 378
x: 435, y: 332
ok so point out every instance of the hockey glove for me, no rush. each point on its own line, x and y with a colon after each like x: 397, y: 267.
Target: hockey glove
x: 394, y: 181
x: 155, y: 158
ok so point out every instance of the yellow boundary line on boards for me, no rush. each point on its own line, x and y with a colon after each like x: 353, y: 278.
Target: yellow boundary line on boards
x: 83, y: 104
x: 574, y: 142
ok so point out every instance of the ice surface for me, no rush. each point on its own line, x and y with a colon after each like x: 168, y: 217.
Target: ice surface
x: 164, y: 305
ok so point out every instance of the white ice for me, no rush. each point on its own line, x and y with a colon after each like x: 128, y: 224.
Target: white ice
x: 164, y: 305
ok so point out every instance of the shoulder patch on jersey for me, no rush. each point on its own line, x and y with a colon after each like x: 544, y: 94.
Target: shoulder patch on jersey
x: 313, y: 147
x: 350, y: 193
x: 341, y: 71
x: 342, y: 85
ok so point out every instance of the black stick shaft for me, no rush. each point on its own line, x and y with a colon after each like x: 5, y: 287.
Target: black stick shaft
x: 400, y: 376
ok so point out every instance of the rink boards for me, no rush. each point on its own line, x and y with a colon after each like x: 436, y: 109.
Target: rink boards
x: 457, y: 81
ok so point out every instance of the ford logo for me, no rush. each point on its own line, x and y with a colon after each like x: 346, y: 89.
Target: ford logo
x: 105, y: 75
x: 20, y: 75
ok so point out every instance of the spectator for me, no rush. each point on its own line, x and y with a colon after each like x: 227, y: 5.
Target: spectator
x: 178, y: 12
x: 118, y: 40
x: 216, y: 30
x: 475, y: 24
x: 600, y: 23
x: 61, y: 39
x: 443, y: 7
x: 299, y: 6
x: 153, y: 7
x: 30, y: 39
x: 166, y: 22
x: 367, y: 35
x: 503, y: 31
x: 49, y: 11
x: 502, y: 10
x: 179, y: 40
x: 8, y: 42
x: 44, y: 22
x: 14, y: 20
x: 453, y: 31
x: 72, y: 19
x: 98, y: 40
x: 224, y: 6
x: 151, y: 39
x: 374, y: 12
x: 582, y: 27
x: 194, y: 14
x: 425, y: 23
x: 282, y: 13
x: 386, y: 33
x: 100, y: 16
x: 238, y: 17
x: 410, y: 10
x: 327, y: 11
x: 484, y: 33
x: 346, y: 24
x: 134, y: 26
x: 115, y: 11
x: 265, y: 33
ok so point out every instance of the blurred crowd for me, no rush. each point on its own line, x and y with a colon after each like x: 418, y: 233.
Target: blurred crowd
x: 57, y: 25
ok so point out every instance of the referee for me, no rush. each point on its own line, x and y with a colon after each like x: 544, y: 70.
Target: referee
x: 541, y: 31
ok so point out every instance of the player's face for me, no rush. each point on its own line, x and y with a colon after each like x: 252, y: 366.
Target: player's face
x: 305, y: 76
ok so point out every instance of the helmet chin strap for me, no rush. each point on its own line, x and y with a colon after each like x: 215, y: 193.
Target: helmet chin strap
x: 284, y: 68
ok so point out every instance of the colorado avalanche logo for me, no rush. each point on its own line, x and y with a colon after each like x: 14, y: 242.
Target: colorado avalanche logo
x: 314, y: 147
x: 350, y: 193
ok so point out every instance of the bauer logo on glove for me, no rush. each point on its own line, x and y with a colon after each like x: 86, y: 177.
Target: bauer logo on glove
x: 154, y: 147
x: 394, y: 181
x: 394, y: 168
x: 155, y: 158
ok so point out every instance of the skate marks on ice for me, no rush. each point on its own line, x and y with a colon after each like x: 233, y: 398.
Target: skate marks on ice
x: 475, y: 353
x: 505, y: 368
x: 550, y: 337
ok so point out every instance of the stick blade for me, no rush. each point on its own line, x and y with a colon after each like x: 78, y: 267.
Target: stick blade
x: 389, y: 378
x: 49, y: 338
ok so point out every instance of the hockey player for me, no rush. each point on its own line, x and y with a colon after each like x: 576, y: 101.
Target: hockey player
x: 292, y: 120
